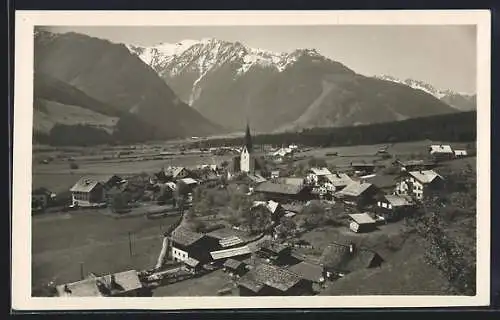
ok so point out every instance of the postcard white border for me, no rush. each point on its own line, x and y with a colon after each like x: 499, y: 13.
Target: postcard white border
x: 22, y: 151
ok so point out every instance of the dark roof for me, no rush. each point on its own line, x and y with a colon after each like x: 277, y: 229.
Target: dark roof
x: 185, y: 237
x: 280, y: 188
x: 338, y: 256
x: 292, y: 207
x: 271, y: 276
x: 273, y: 247
x: 308, y: 271
x: 233, y: 264
x: 383, y: 181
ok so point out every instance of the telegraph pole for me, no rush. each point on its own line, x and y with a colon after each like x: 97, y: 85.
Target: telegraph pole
x: 130, y: 243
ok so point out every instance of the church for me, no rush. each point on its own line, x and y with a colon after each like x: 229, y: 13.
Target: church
x: 247, y: 159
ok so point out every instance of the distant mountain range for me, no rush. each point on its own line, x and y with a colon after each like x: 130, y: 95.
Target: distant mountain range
x: 460, y: 101
x: 229, y: 82
x: 89, y: 90
x: 92, y: 87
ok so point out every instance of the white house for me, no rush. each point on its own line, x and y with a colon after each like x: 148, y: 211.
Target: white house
x: 441, y: 152
x: 460, y: 153
x: 87, y: 192
x: 419, y: 183
x: 314, y: 175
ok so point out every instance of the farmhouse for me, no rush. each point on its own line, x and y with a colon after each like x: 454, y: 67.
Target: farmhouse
x: 283, y: 192
x: 187, y: 244
x: 412, y: 165
x: 268, y: 280
x: 460, y: 153
x: 338, y: 180
x: 393, y: 207
x: 361, y: 222
x: 420, y: 184
x: 340, y: 259
x: 277, y: 253
x: 441, y: 152
x: 309, y: 271
x: 357, y: 192
x: 275, y: 174
x: 363, y: 167
x: 273, y: 207
x: 235, y: 267
x: 315, y: 174
x: 383, y: 182
x: 87, y: 193
x: 122, y: 284
x: 41, y: 198
x: 176, y: 173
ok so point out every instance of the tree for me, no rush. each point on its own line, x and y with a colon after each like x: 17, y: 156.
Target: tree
x: 182, y: 192
x: 74, y: 166
x: 120, y: 202
x: 315, y: 162
x: 286, y: 228
x: 314, y: 213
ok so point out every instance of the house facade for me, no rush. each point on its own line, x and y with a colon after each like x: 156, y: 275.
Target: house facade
x: 441, y: 152
x: 394, y: 207
x: 187, y: 245
x: 362, y: 222
x: 420, y: 184
x: 88, y: 193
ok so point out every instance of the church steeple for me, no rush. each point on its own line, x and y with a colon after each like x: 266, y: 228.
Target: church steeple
x: 248, y: 139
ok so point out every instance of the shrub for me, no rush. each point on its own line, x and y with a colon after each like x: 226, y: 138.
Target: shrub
x: 74, y: 166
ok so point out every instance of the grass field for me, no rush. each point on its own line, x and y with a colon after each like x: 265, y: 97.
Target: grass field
x: 60, y: 242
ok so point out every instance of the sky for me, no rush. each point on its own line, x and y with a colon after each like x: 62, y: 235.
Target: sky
x: 442, y: 55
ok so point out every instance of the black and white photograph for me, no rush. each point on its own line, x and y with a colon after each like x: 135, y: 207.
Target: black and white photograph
x: 239, y: 158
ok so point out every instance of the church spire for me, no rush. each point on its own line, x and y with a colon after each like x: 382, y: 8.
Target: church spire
x: 248, y: 139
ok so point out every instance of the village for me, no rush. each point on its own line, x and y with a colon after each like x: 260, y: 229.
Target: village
x: 239, y: 223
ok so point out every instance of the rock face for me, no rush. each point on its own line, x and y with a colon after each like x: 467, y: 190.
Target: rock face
x: 85, y: 81
x: 230, y: 82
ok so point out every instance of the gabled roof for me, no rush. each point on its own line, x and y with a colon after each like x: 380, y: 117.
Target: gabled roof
x: 84, y: 185
x: 280, y: 188
x: 271, y: 276
x: 362, y: 218
x: 338, y: 257
x: 308, y: 271
x: 339, y: 179
x: 273, y: 247
x: 383, y: 181
x: 229, y: 253
x: 174, y: 171
x: 460, y: 152
x: 440, y: 148
x: 355, y: 189
x: 192, y: 262
x: 124, y: 282
x: 320, y: 171
x: 425, y: 176
x: 271, y: 205
x: 189, y: 181
x: 185, y: 237
x: 256, y: 178
x: 232, y: 264
x: 398, y: 201
x: 292, y: 181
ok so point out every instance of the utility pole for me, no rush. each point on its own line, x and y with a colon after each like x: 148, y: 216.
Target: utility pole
x: 130, y: 243
x: 81, y: 271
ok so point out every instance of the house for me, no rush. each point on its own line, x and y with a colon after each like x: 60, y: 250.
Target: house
x: 121, y: 284
x: 393, y: 207
x: 420, y: 184
x: 309, y: 271
x: 291, y: 180
x: 412, y: 165
x: 175, y: 173
x: 460, y: 153
x: 363, y: 167
x: 340, y: 259
x: 273, y: 207
x: 338, y: 180
x: 441, y: 152
x: 358, y: 192
x: 188, y: 244
x: 41, y: 198
x: 291, y: 209
x: 192, y: 265
x: 362, y: 222
x: 239, y: 253
x: 235, y: 267
x: 283, y: 192
x: 87, y: 193
x: 277, y: 253
x: 269, y: 280
x: 256, y: 178
x: 283, y: 152
x: 111, y: 181
x: 315, y: 174
x: 227, y: 237
x: 385, y: 183
x: 275, y: 174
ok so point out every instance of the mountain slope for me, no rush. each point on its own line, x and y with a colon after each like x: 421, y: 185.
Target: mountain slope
x: 459, y: 101
x: 105, y: 78
x: 230, y: 82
